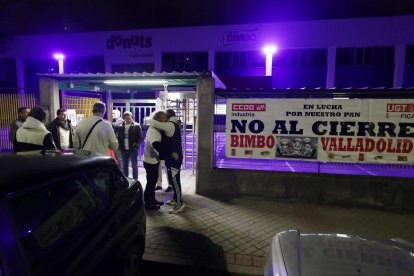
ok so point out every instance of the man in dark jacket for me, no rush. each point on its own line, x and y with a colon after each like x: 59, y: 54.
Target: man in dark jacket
x: 23, y: 112
x: 129, y: 139
x: 61, y: 130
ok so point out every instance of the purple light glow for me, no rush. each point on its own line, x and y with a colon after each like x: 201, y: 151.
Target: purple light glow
x: 59, y: 56
x: 270, y: 49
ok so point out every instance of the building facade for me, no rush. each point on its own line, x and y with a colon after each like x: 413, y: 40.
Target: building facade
x: 368, y: 52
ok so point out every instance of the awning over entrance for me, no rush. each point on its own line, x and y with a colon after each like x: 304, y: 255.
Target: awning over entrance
x: 122, y: 82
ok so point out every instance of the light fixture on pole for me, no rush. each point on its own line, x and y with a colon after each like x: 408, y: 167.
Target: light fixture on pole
x: 269, y: 50
x: 60, y: 58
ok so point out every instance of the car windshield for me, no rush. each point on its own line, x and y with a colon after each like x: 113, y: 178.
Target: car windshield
x: 49, y: 213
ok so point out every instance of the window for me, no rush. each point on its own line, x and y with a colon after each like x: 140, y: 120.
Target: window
x: 186, y: 61
x: 222, y: 60
x: 363, y: 56
x: 8, y: 72
x: 102, y: 180
x: 409, y: 55
x: 257, y: 59
x: 383, y: 55
x: 280, y: 59
x: 303, y: 57
x: 345, y: 56
x: 46, y: 215
x: 92, y: 64
x: 318, y: 57
x: 33, y: 66
x: 133, y: 67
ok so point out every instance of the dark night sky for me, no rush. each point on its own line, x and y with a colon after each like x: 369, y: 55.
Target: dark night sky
x: 54, y: 16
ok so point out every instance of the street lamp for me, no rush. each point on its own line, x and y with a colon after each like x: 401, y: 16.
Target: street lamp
x: 269, y: 50
x: 60, y: 58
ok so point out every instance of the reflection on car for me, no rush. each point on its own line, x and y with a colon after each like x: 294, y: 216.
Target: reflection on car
x: 69, y: 214
x: 316, y: 254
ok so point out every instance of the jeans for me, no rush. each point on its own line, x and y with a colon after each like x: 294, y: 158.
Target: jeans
x: 133, y: 155
x: 152, y: 176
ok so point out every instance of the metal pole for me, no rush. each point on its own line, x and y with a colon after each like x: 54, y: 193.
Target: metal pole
x: 185, y: 131
x: 193, y: 138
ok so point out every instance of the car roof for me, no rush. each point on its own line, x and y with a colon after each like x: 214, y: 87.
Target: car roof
x: 18, y: 170
x: 342, y: 254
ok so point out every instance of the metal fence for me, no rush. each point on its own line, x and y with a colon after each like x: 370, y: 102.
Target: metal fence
x: 303, y: 166
x: 10, y: 101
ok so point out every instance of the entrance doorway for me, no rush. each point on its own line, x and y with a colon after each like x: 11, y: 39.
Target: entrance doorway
x: 184, y: 105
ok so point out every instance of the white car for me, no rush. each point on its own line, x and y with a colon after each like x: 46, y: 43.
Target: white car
x: 295, y: 253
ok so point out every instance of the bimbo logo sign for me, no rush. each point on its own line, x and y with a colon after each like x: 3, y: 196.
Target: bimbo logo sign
x: 241, y: 36
x: 128, y: 42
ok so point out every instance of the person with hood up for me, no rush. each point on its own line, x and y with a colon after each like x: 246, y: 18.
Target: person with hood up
x: 33, y: 135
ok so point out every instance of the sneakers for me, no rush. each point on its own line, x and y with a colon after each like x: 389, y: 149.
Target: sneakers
x: 157, y: 188
x: 178, y: 208
x: 170, y: 202
x: 169, y: 189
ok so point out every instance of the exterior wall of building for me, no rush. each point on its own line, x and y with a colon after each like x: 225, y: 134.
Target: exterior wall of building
x: 255, y: 178
x: 147, y: 49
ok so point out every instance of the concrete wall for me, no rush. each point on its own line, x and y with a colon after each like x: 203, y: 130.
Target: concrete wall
x: 351, y: 190
x: 49, y: 97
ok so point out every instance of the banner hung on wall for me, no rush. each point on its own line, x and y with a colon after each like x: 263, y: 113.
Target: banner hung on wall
x: 349, y: 130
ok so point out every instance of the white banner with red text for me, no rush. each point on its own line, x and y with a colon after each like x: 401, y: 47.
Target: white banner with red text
x: 344, y: 130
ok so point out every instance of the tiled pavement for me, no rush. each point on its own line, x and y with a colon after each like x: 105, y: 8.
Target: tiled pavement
x: 234, y: 234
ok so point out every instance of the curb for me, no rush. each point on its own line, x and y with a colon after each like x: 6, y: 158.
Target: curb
x: 233, y: 269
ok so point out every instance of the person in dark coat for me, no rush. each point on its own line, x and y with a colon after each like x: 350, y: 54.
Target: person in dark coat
x: 129, y: 139
x: 61, y: 130
x: 23, y: 112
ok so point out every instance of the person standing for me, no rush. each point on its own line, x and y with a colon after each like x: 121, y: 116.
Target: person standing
x: 173, y: 154
x: 116, y: 120
x: 94, y: 133
x: 22, y: 112
x: 33, y: 135
x: 159, y: 182
x: 61, y: 130
x: 116, y: 123
x: 151, y: 162
x: 129, y: 140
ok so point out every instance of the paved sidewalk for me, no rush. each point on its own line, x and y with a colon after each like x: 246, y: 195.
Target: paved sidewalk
x: 233, y: 235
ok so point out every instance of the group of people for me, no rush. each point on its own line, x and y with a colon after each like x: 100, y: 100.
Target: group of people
x: 163, y: 142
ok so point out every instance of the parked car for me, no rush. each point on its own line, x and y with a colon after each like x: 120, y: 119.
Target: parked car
x: 69, y: 214
x: 310, y: 254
